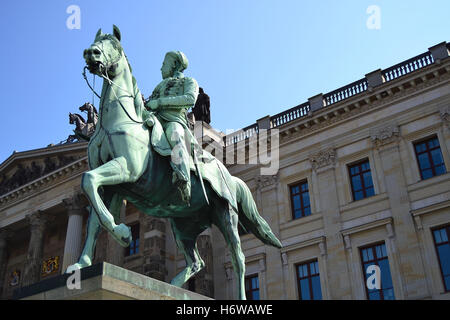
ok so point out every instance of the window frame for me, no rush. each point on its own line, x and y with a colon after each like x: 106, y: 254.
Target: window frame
x: 309, y: 277
x: 128, y: 249
x: 364, y: 188
x: 302, y: 206
x: 373, y: 246
x: 248, y: 279
x: 447, y: 229
x: 430, y: 158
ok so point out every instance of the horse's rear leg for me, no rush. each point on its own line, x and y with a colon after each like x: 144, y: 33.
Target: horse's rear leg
x: 186, y: 243
x: 93, y: 230
x: 227, y: 222
x: 111, y: 173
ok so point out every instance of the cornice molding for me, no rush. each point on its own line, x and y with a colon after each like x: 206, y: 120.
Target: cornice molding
x: 41, y: 183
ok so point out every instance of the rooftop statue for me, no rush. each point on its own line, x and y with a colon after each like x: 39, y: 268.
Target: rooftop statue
x: 201, y: 108
x: 132, y: 155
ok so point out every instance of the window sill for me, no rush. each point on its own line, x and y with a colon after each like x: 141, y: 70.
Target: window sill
x: 132, y: 257
x: 300, y: 221
x: 363, y: 202
x: 428, y: 182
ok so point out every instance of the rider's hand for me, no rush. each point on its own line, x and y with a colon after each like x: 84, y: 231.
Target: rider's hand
x: 153, y: 104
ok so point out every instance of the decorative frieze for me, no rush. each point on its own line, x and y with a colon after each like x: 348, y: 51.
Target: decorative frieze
x: 323, y: 158
x: 264, y: 181
x: 385, y: 135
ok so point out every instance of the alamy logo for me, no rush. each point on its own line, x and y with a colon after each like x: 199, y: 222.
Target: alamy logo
x: 74, y: 280
x: 374, y: 277
x: 374, y: 20
x: 74, y: 20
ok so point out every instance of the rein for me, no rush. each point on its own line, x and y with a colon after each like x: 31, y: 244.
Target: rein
x: 105, y: 77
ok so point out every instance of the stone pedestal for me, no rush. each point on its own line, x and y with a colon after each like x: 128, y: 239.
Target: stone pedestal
x: 105, y: 281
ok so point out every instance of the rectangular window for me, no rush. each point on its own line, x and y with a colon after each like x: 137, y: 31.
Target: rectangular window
x: 134, y: 245
x: 443, y: 252
x: 361, y: 180
x: 377, y: 255
x: 252, y: 287
x: 300, y: 200
x: 308, y: 280
x: 429, y: 158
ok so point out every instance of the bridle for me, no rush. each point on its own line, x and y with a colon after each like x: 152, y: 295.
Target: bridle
x: 104, y: 68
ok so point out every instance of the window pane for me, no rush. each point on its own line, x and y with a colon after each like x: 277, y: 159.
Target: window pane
x: 389, y: 294
x: 427, y: 174
x: 375, y: 295
x: 440, y: 169
x: 447, y: 283
x: 421, y: 147
x: 369, y: 192
x: 359, y: 195
x: 307, y: 211
x: 304, y: 187
x: 255, y: 295
x: 444, y: 257
x: 433, y: 143
x: 295, y: 190
x: 386, y: 280
x: 424, y: 161
x: 296, y: 201
x: 317, y: 291
x: 305, y: 199
x: 437, y: 236
x: 364, y: 255
x: 304, y: 289
x: 367, y: 179
x: 365, y: 166
x: 356, y: 183
x: 255, y: 283
x: 436, y: 155
x: 354, y: 170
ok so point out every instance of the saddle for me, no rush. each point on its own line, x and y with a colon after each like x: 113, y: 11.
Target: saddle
x: 211, y: 169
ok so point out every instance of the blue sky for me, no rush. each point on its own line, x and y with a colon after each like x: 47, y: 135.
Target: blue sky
x: 252, y: 57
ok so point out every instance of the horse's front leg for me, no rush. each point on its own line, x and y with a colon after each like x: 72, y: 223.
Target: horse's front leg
x: 113, y: 172
x: 93, y: 230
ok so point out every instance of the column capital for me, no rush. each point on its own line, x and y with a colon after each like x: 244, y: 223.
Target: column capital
x: 323, y: 159
x: 264, y: 181
x: 75, y: 204
x: 5, y: 234
x: 37, y: 220
x: 385, y: 135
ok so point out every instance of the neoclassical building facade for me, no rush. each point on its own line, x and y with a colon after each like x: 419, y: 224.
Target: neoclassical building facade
x: 360, y: 199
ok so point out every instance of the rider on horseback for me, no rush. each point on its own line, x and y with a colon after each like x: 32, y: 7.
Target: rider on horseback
x: 170, y: 101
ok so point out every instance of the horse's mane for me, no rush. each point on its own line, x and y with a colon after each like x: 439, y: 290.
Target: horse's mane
x: 79, y: 115
x: 138, y: 103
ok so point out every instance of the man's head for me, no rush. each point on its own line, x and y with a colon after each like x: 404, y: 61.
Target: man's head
x: 174, y: 61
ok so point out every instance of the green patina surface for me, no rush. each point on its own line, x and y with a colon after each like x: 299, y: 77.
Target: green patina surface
x: 155, y: 177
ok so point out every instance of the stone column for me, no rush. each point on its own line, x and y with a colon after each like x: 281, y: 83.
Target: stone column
x: 267, y: 188
x: 155, y: 248
x: 387, y: 141
x: 32, y: 269
x: 5, y: 234
x: 72, y: 247
x: 323, y: 164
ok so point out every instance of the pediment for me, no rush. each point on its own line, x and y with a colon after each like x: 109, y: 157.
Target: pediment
x: 23, y: 167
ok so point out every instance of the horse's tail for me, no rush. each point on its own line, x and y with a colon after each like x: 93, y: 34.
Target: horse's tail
x: 249, y: 216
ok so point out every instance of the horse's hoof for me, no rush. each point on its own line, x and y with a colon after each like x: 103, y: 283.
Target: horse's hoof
x: 123, y: 235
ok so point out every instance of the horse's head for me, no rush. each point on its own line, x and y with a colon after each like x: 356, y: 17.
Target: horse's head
x: 105, y: 56
x: 71, y: 118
